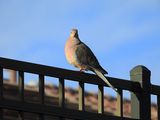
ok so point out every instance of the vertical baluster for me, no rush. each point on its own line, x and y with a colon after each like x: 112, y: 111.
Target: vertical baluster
x: 41, y: 88
x: 119, y: 111
x: 41, y: 117
x: 1, y: 114
x: 21, y: 85
x: 1, y: 83
x: 21, y: 115
x: 61, y: 95
x: 1, y: 91
x: 21, y: 91
x: 100, y: 99
x: 61, y: 92
x: 81, y: 96
x: 158, y: 104
x: 41, y: 93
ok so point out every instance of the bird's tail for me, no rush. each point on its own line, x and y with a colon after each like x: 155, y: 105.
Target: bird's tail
x: 104, y: 79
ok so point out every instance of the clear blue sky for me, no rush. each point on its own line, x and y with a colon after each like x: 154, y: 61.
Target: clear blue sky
x: 121, y: 33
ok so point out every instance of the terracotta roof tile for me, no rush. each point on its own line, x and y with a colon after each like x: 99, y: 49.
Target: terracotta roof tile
x: 91, y: 100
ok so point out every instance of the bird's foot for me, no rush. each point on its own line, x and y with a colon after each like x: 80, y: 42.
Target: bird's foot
x: 81, y: 70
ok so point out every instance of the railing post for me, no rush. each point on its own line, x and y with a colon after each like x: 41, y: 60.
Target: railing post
x: 141, y: 102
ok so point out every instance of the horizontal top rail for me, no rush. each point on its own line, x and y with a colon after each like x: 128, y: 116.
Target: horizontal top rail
x: 67, y: 74
x: 155, y: 89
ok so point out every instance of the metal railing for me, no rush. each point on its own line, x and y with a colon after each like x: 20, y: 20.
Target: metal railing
x: 139, y: 86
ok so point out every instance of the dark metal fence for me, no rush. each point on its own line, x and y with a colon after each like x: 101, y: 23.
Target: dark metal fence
x: 139, y: 86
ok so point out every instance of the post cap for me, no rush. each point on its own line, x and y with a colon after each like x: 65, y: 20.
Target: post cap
x: 139, y: 70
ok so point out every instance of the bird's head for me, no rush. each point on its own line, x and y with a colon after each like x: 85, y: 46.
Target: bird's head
x: 74, y: 33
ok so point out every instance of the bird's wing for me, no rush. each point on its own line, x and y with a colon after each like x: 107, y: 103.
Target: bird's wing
x: 86, y: 57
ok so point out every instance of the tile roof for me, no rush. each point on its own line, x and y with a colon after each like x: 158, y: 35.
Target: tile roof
x: 71, y: 99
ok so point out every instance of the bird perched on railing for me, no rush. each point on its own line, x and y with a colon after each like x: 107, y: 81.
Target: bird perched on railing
x: 81, y: 56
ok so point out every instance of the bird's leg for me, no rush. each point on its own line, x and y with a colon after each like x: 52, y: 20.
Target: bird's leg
x: 81, y: 70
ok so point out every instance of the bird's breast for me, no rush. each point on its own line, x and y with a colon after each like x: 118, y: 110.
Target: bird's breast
x: 70, y: 53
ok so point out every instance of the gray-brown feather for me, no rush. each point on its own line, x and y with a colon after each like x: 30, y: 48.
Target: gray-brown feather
x: 86, y: 57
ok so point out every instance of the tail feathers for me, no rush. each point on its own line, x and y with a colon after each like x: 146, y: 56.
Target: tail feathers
x: 104, y: 79
x: 102, y: 70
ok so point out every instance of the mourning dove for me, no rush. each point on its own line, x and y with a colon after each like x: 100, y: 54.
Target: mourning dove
x: 80, y: 55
